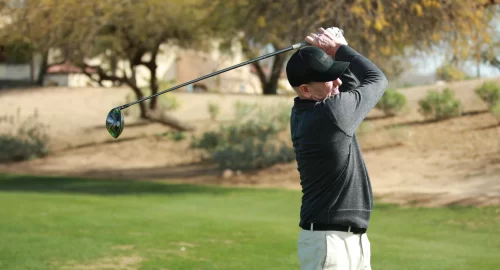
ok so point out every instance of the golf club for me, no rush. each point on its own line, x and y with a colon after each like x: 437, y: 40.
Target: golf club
x: 115, y: 119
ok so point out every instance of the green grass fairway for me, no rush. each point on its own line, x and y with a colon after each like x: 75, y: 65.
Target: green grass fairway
x: 69, y: 223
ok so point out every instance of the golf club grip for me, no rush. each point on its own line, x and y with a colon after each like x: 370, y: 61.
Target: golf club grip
x: 304, y: 43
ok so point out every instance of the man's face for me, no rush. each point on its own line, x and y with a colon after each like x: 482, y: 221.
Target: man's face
x: 320, y: 90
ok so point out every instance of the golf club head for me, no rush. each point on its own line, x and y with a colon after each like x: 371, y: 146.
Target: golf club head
x: 114, y: 122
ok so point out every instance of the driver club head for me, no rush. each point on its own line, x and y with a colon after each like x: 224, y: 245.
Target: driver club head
x: 115, y: 122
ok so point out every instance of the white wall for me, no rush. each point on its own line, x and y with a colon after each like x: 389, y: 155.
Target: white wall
x: 15, y: 72
x: 70, y: 80
x: 56, y: 79
x: 37, y: 62
x: 80, y: 80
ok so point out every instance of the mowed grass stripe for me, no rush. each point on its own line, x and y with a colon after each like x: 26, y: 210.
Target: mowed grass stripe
x: 72, y: 223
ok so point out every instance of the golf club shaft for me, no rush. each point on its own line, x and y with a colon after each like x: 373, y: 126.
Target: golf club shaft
x: 293, y: 47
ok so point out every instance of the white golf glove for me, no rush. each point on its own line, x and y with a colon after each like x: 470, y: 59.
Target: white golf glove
x: 329, y: 40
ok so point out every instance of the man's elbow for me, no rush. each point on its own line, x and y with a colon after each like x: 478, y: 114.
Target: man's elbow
x: 383, y: 82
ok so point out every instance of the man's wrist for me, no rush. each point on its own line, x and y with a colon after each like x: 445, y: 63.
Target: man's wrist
x: 334, y: 50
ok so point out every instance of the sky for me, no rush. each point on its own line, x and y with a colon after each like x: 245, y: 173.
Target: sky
x: 428, y: 65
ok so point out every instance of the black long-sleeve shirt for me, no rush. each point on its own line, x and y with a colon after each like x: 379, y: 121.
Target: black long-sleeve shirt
x: 335, y: 183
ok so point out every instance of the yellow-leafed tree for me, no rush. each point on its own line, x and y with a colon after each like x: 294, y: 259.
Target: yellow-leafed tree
x: 386, y: 31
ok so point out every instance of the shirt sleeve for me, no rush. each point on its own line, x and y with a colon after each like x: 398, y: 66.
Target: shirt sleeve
x: 349, y: 81
x: 350, y: 107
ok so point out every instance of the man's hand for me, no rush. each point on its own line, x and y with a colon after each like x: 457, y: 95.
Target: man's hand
x: 329, y: 40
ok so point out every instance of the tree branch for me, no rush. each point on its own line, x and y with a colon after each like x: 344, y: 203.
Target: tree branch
x: 102, y: 75
x: 491, y: 3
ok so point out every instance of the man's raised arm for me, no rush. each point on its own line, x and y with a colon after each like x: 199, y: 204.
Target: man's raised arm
x: 348, y: 109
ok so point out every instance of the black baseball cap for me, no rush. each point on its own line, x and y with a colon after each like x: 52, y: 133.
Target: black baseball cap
x: 312, y: 64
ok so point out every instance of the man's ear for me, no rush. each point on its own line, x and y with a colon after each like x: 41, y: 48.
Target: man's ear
x: 304, y: 90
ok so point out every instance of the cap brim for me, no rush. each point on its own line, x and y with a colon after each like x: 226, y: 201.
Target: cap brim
x: 334, y: 72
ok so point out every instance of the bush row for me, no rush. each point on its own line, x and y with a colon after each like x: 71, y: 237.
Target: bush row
x: 22, y: 140
x: 252, y: 141
x: 440, y: 105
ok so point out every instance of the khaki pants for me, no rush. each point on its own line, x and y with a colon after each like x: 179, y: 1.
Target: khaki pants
x: 333, y: 250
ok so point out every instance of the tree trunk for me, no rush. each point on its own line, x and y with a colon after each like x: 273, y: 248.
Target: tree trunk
x: 270, y: 86
x: 153, y: 84
x: 113, y: 63
x: 145, y: 112
x: 133, y: 75
x: 142, y: 107
x: 43, y: 69
x: 156, y: 115
x: 269, y: 83
x: 153, y: 80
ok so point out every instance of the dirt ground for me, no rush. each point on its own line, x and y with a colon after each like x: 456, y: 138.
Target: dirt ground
x: 410, y: 161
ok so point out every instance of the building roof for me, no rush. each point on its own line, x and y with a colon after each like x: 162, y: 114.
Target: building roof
x: 67, y: 67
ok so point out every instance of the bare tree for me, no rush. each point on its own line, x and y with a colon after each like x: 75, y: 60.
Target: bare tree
x: 114, y: 30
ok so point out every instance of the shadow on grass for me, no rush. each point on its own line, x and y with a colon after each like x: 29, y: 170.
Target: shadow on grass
x: 383, y: 147
x: 476, y: 112
x: 92, y: 144
x: 487, y: 127
x: 430, y: 121
x: 115, y: 141
x: 379, y: 117
x: 424, y: 122
x: 49, y: 184
x: 194, y: 170
x: 141, y: 123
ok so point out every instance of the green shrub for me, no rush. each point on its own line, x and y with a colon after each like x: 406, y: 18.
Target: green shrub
x: 364, y: 128
x: 251, y: 143
x: 243, y: 109
x: 392, y: 102
x: 173, y: 135
x: 252, y: 154
x: 26, y: 140
x: 495, y: 110
x: 439, y: 106
x: 168, y: 102
x: 448, y: 73
x: 235, y: 133
x: 213, y: 110
x: 489, y: 92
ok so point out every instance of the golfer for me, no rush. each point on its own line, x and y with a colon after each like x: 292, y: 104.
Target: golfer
x: 337, y: 196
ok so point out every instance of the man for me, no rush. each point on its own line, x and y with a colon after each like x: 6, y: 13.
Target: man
x: 337, y: 196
